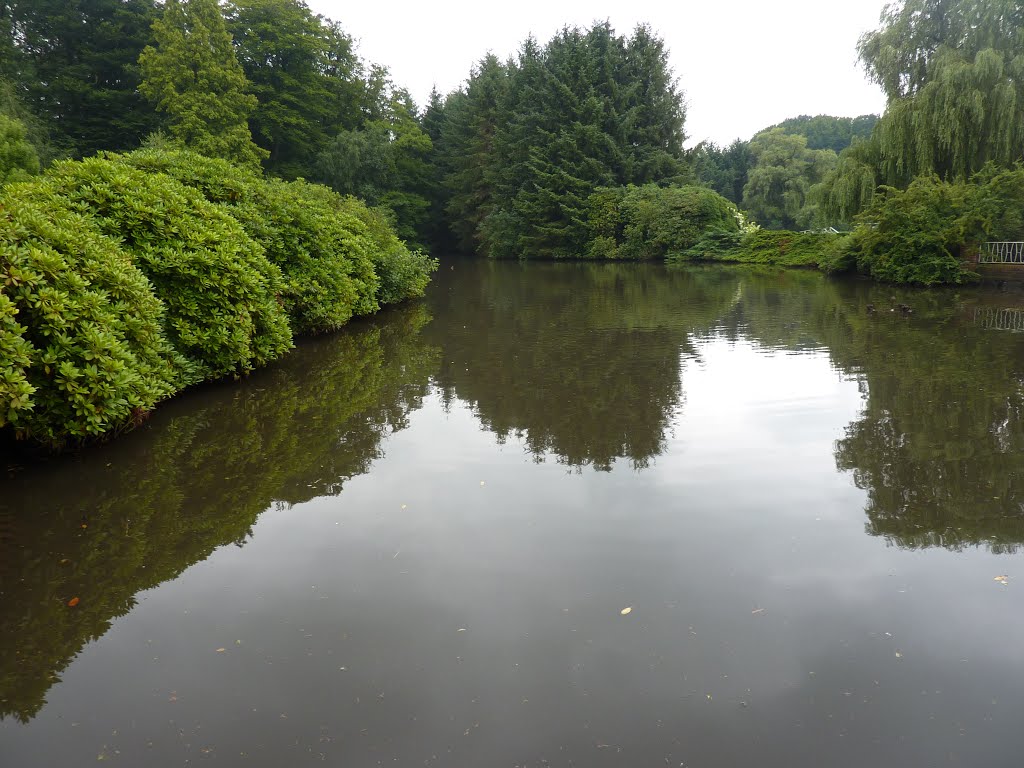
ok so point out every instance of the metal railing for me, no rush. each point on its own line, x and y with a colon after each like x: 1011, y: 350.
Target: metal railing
x: 1002, y: 253
x: 1000, y: 319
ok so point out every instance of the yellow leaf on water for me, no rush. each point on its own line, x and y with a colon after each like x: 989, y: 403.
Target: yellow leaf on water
x: 1004, y: 580
x: 626, y: 611
x: 221, y: 650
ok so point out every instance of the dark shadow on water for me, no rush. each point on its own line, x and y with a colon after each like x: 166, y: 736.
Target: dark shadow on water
x: 125, y: 517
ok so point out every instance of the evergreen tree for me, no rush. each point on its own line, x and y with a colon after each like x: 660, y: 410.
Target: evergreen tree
x: 75, y: 63
x: 590, y: 109
x: 724, y: 170
x: 466, y: 148
x: 192, y: 75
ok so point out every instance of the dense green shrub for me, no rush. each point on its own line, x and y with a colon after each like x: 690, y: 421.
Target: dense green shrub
x: 651, y: 222
x: 81, y: 334
x: 402, y: 273
x: 714, y: 246
x: 776, y: 247
x: 915, y: 235
x: 220, y: 291
x: 338, y: 257
x: 787, y: 249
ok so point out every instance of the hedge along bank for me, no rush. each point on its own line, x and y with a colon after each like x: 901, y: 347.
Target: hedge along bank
x: 124, y: 284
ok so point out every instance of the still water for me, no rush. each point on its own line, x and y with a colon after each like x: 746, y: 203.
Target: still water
x: 553, y: 515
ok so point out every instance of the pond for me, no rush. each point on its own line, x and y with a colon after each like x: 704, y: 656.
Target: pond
x: 552, y: 515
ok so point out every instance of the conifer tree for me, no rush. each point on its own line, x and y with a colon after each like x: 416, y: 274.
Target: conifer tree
x: 193, y: 76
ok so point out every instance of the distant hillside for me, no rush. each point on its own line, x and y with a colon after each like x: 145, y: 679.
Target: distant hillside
x: 828, y: 132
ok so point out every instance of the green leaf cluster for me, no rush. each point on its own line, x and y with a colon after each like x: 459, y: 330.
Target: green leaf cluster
x: 18, y: 157
x: 338, y: 258
x: 780, y: 248
x: 82, y: 342
x: 219, y: 289
x: 652, y: 222
x: 129, y: 277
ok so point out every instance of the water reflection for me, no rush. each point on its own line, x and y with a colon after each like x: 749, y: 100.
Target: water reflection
x: 581, y: 361
x: 939, y: 447
x: 131, y: 515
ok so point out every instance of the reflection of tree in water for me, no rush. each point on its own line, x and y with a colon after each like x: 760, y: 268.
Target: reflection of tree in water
x: 939, y: 446
x: 136, y: 513
x: 579, y: 360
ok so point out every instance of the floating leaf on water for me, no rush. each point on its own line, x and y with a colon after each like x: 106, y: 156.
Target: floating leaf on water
x: 626, y: 611
x: 73, y: 602
x: 1004, y: 580
x: 758, y: 610
x: 899, y: 655
x: 221, y: 650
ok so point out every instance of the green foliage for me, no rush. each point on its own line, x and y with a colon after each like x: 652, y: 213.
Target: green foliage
x: 304, y: 74
x: 953, y: 71
x: 997, y: 205
x: 402, y: 273
x: 914, y: 235
x: 771, y: 247
x: 74, y: 64
x: 18, y: 158
x: 81, y: 333
x: 724, y: 170
x: 849, y: 188
x: 192, y: 74
x: 219, y: 289
x: 777, y: 193
x: 524, y: 146
x: 384, y: 162
x: 652, y: 222
x: 338, y: 257
x: 467, y: 123
x: 828, y: 132
x: 327, y: 271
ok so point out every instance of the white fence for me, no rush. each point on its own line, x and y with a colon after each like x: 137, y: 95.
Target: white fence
x: 1002, y: 253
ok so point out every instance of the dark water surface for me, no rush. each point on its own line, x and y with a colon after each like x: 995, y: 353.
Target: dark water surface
x: 412, y: 543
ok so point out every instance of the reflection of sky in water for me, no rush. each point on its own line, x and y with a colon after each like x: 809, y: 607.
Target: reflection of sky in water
x: 766, y: 628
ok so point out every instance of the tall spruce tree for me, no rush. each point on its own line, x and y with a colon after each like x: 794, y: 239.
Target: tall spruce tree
x: 192, y: 74
x: 589, y: 109
x: 465, y: 148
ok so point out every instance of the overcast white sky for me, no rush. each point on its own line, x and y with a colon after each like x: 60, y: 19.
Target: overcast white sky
x: 743, y: 64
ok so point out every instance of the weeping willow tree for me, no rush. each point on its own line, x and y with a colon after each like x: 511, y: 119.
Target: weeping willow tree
x: 953, y: 73
x: 850, y: 186
x: 954, y: 76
